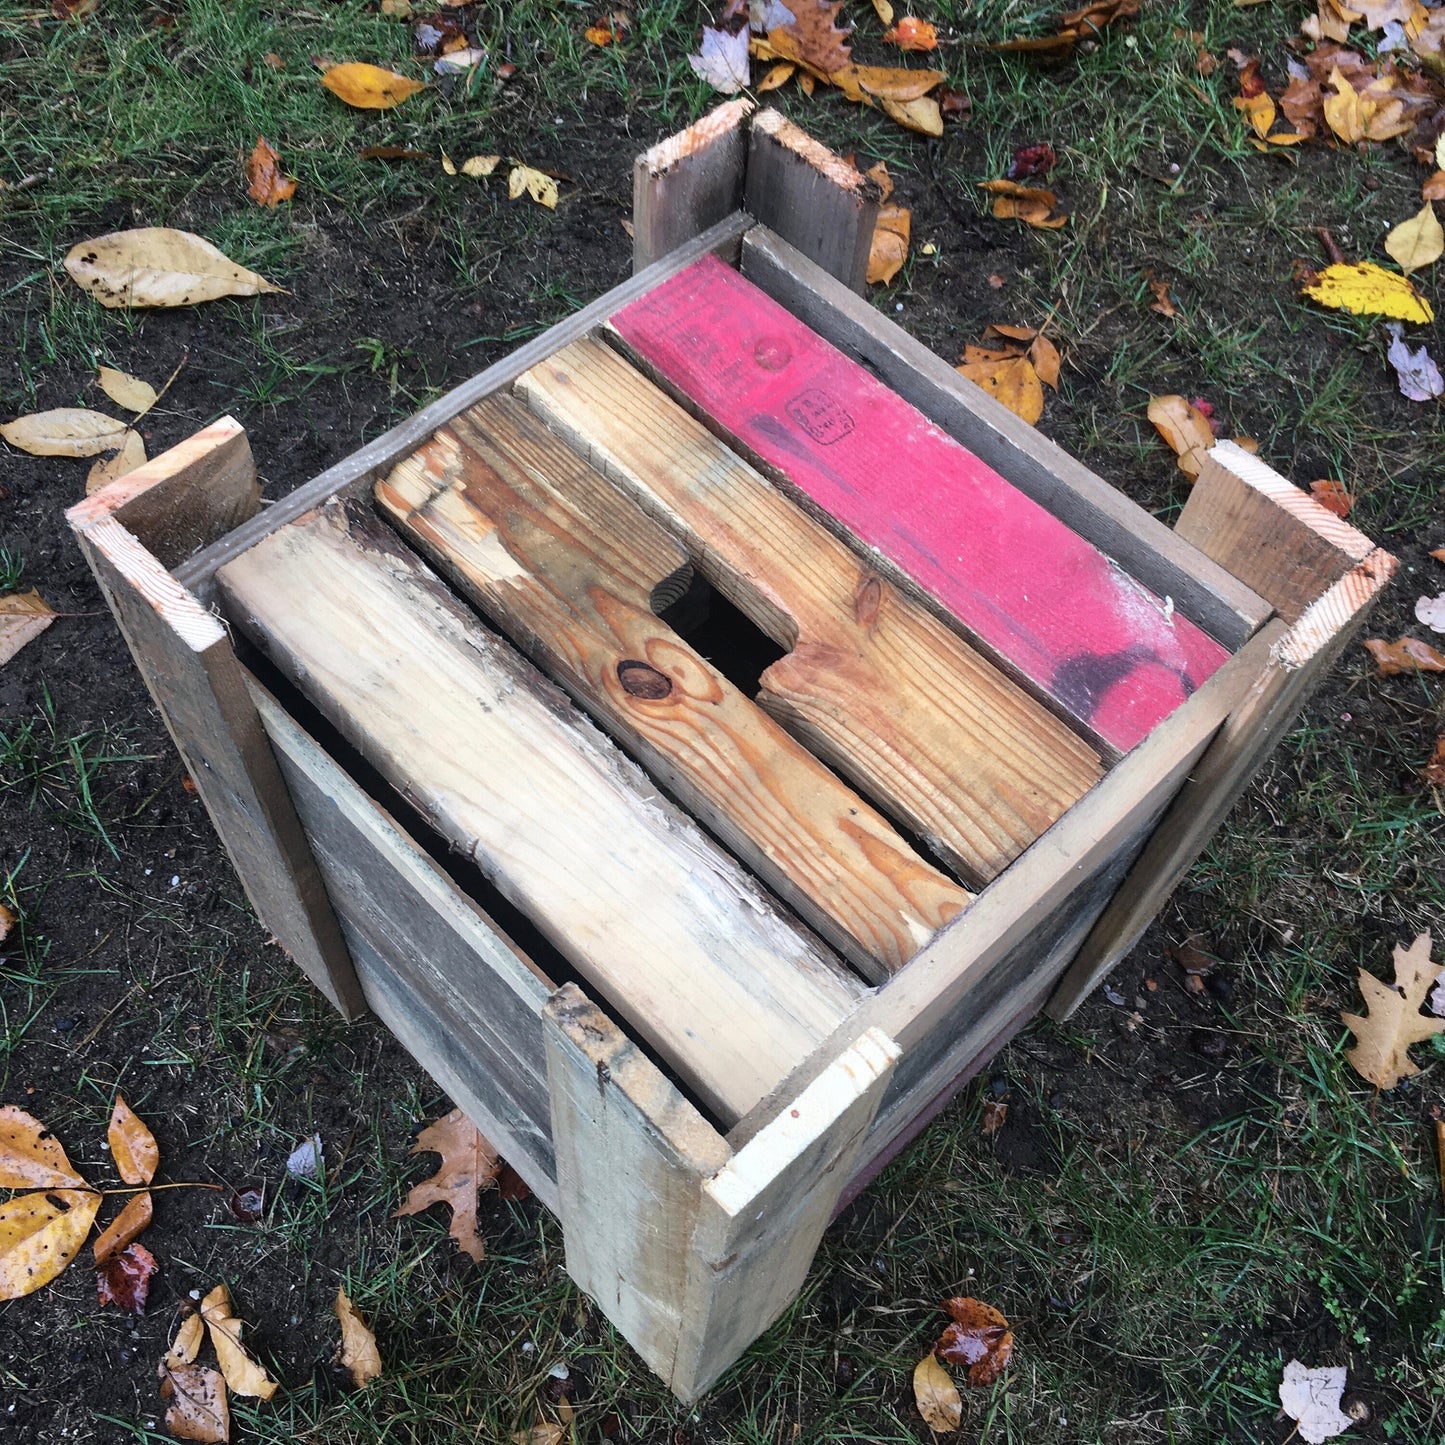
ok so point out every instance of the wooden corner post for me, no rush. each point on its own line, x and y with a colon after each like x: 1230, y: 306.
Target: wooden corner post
x: 691, y: 1247
x: 130, y: 532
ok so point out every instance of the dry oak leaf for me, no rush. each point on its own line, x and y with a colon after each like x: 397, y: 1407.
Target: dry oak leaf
x: 194, y: 1395
x: 23, y: 617
x: 125, y: 1227
x: 912, y: 34
x: 1333, y: 497
x: 369, y: 87
x: 124, y: 1279
x: 889, y: 247
x: 1185, y: 428
x: 1009, y: 378
x: 132, y: 1145
x: 31, y: 1157
x: 1368, y: 290
x: 936, y: 1395
x: 158, y: 266
x: 979, y: 1337
x: 537, y: 184
x: 128, y: 391
x: 243, y: 1374
x: 102, y: 473
x: 1031, y: 204
x: 1418, y: 242
x: 359, y: 1355
x: 1393, y: 1020
x: 39, y: 1235
x: 266, y: 183
x: 469, y: 1165
x: 66, y: 431
x: 813, y: 37
x: 1405, y: 654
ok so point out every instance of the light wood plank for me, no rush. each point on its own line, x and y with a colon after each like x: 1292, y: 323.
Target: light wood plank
x: 872, y: 683
x: 681, y: 942
x: 568, y: 567
x: 1143, y: 546
x: 688, y: 182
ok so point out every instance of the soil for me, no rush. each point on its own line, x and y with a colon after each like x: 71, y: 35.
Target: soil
x: 158, y: 978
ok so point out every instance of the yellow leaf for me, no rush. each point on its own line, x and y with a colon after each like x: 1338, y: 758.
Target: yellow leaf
x: 1393, y: 1020
x: 1011, y: 380
x: 369, y: 87
x: 884, y: 82
x: 1418, y: 242
x: 922, y: 115
x: 132, y: 1145
x: 1185, y: 428
x: 480, y: 165
x: 242, y: 1373
x: 128, y: 391
x: 936, y: 1395
x: 158, y: 266
x: 884, y: 11
x: 132, y: 454
x: 39, y: 1235
x: 777, y: 75
x: 23, y: 617
x: 537, y: 184
x: 1369, y: 290
x: 448, y: 167
x: 67, y: 431
x: 126, y: 1227
x: 31, y: 1157
x: 878, y: 171
x: 806, y: 83
x: 1258, y: 110
x: 1286, y: 138
x: 1343, y: 111
x: 889, y: 248
x: 359, y: 1355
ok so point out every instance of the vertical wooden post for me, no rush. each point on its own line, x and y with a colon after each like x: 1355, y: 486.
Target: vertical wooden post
x: 182, y: 499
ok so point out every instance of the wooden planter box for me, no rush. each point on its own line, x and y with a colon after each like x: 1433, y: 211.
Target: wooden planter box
x: 698, y: 1052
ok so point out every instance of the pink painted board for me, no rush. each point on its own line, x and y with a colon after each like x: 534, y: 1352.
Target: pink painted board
x: 1114, y: 655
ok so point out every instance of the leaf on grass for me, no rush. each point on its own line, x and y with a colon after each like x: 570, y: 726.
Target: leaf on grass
x: 544, y: 1432
x: 1393, y: 1021
x: 861, y: 83
x: 1046, y: 361
x: 128, y: 391
x: 922, y: 115
x: 31, y: 1157
x: 1032, y: 160
x: 475, y: 166
x: 359, y: 1355
x: 1258, y: 110
x: 125, y: 1227
x: 884, y: 11
x: 1088, y: 23
x: 39, y: 1235
x: 306, y: 1159
x: 124, y: 1278
x: 243, y: 1374
x: 995, y: 1112
x: 979, y: 1337
x: 610, y: 30
x: 1369, y: 290
x: 1405, y: 654
x: 369, y: 87
x: 266, y: 183
x: 469, y: 1164
x: 23, y: 617
x: 158, y: 266
x: 132, y: 1145
x: 889, y: 248
x: 1031, y: 204
x: 1418, y: 242
x: 1431, y: 611
x: 66, y: 431
x: 537, y: 184
x: 1163, y: 303
x: 936, y: 1395
x: 1312, y: 1399
x: 1438, y: 553
x: 1185, y: 428
x: 1419, y: 376
x: 194, y: 1395
x: 723, y: 60
x: 1333, y: 497
x: 912, y: 34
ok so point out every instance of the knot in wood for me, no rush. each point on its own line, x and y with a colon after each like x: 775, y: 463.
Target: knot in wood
x: 642, y: 679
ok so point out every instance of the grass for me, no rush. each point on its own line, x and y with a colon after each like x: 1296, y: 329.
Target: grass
x: 1163, y: 1228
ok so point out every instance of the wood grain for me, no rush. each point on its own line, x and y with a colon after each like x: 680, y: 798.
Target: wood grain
x: 680, y: 941
x: 566, y: 565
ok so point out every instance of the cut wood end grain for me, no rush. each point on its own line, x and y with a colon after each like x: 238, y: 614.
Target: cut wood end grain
x: 831, y: 167
x: 1337, y: 609
x: 702, y: 133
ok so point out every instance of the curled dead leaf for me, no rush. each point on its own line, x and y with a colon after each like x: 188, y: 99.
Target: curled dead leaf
x: 359, y: 1354
x: 936, y: 1395
x: 979, y: 1337
x: 124, y: 1278
x: 369, y: 87
x: 266, y: 183
x: 889, y: 248
x: 1033, y: 205
x: 922, y: 115
x: 194, y: 1395
x: 244, y: 1375
x: 23, y: 617
x: 1184, y: 428
x: 1011, y: 379
x: 1405, y: 654
x: 1418, y: 242
x: 1434, y: 770
x: 912, y: 33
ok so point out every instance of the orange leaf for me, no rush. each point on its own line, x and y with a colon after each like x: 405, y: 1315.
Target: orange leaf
x: 1185, y: 428
x: 777, y: 75
x: 1163, y: 303
x: 882, y: 82
x: 1010, y: 333
x: 1433, y: 188
x: 1434, y: 770
x: 979, y: 1337
x: 1405, y: 654
x: 813, y: 36
x: 1031, y: 204
x: 132, y: 1145
x: 1333, y: 497
x: 889, y: 248
x: 1013, y: 381
x: 125, y: 1227
x: 267, y: 185
x: 469, y: 1164
x: 879, y: 172
x: 1045, y: 357
x: 912, y: 34
x: 1438, y: 553
x: 610, y: 30
x: 369, y: 87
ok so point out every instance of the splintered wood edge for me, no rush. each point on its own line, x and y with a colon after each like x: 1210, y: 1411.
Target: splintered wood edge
x: 1340, y: 606
x: 696, y: 137
x: 830, y: 166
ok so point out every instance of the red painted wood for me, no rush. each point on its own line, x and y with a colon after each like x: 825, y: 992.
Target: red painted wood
x: 1043, y: 598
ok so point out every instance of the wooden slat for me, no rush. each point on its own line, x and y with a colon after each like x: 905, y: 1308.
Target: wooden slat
x: 1267, y: 531
x: 683, y: 944
x: 435, y: 969
x: 568, y: 566
x: 1112, y: 655
x: 1142, y: 545
x: 818, y: 201
x: 688, y: 182
x: 872, y: 682
x: 354, y: 474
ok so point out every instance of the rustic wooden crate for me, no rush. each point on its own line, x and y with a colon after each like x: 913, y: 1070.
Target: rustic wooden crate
x: 695, y: 1159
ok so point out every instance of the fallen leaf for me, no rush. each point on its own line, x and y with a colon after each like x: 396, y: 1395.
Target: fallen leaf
x: 1438, y: 553
x: 243, y: 1374
x: 158, y: 266
x: 889, y: 248
x: 369, y: 87
x: 459, y: 62
x: 1333, y: 497
x: 861, y: 83
x: 359, y: 1355
x: 723, y: 60
x: 544, y: 1432
x: 912, y: 34
x: 1418, y: 242
x: 1031, y: 204
x: 124, y: 1278
x: 777, y: 75
x: 132, y: 454
x: 995, y: 1111
x: 922, y: 115
x: 480, y: 165
x: 1434, y: 773
x: 1086, y: 24
x: 1046, y: 361
x: 1034, y: 160
x: 67, y: 431
x: 537, y: 184
x: 7, y: 922
x: 1393, y: 1021
x: 1433, y: 187
x: 936, y: 1395
x: 31, y: 1157
x: 884, y: 11
x: 132, y: 1145
x: 23, y: 617
x: 1405, y: 654
x: 813, y: 37
x: 1312, y: 1398
x: 1431, y: 611
x: 448, y: 166
x: 953, y: 104
x: 610, y: 30
x: 468, y: 1165
x: 1368, y: 290
x: 39, y: 1235
x: 879, y: 172
x: 1185, y: 428
x: 305, y: 1160
x: 1162, y: 303
x: 511, y: 1187
x: 194, y: 1395
x: 1416, y: 370
x: 125, y: 1227
x: 272, y: 61
x: 267, y: 184
x: 979, y: 1337
x: 1258, y: 110
x: 1011, y: 379
x: 1344, y: 113
x: 128, y: 391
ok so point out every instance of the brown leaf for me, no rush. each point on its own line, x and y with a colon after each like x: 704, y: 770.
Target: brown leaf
x: 1046, y: 361
x: 1405, y: 654
x: 861, y: 83
x: 1433, y: 187
x: 23, y: 617
x: 124, y: 1279
x: 1185, y: 428
x: 369, y: 87
x: 1162, y: 303
x: 1075, y: 25
x: 469, y: 1164
x: 359, y: 1355
x: 8, y: 921
x: 1196, y: 963
x: 243, y: 1374
x: 814, y: 36
x: 39, y: 1235
x: 1438, y: 553
x: 125, y: 1227
x: 995, y: 1111
x: 1332, y: 496
x: 511, y: 1187
x: 267, y: 184
x: 1031, y: 204
x: 979, y: 1337
x: 1011, y: 380
x: 158, y: 266
x: 936, y: 1395
x: 889, y: 248
x: 194, y: 1396
x: 132, y: 1145
x: 31, y: 1157
x: 1393, y: 1021
x: 1434, y: 770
